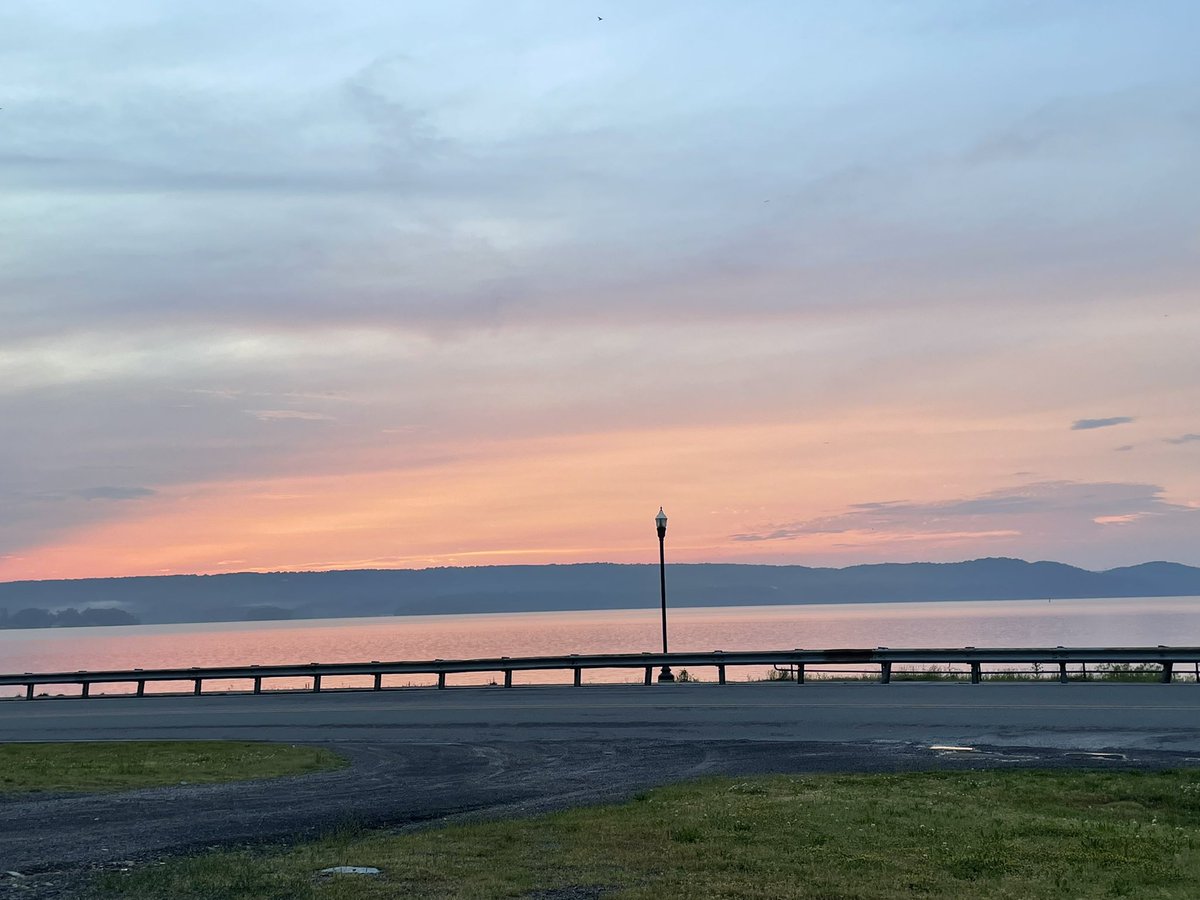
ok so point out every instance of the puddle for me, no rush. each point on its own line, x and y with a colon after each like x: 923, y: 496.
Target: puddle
x: 1091, y: 755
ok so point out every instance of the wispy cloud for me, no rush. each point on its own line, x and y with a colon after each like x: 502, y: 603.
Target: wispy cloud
x: 1124, y: 519
x: 1067, y: 503
x: 279, y: 415
x: 1183, y: 439
x: 1088, y: 424
x: 111, y: 492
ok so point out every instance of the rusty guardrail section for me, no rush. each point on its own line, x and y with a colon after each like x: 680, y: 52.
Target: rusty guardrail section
x: 797, y: 660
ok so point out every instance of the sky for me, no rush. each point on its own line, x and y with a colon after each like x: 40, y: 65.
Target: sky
x: 302, y: 285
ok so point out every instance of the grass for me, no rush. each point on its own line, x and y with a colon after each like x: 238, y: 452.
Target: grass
x: 114, y: 766
x: 930, y: 835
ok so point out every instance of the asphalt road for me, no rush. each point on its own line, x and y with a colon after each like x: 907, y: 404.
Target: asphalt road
x: 1079, y: 716
x: 420, y: 756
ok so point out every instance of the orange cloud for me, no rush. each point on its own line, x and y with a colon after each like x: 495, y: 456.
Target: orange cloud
x: 529, y: 501
x: 573, y: 498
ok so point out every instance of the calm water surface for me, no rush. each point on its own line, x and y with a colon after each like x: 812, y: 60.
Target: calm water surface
x: 1008, y: 623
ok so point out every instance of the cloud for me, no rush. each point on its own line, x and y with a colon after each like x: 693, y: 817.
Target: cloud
x: 499, y: 165
x: 478, y: 231
x: 110, y: 492
x: 1123, y: 448
x: 1045, y: 505
x: 277, y: 415
x: 1089, y: 424
x: 1067, y: 126
x: 1126, y: 519
x: 1183, y: 439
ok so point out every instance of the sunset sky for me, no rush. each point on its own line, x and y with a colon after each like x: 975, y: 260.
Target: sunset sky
x: 298, y: 285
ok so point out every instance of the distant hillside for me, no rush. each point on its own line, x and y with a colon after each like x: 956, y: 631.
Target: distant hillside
x: 285, y: 595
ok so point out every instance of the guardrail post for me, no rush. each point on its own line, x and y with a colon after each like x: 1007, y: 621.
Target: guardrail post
x: 83, y: 688
x: 196, y: 686
x: 799, y: 673
x: 316, y: 684
x: 258, y: 684
x: 976, y: 674
x: 720, y: 674
x: 1168, y: 670
x: 141, y: 688
x: 441, y: 681
x: 508, y: 677
x: 649, y: 674
x: 885, y: 673
x: 578, y: 676
x: 379, y: 681
x: 1062, y: 673
x: 29, y: 692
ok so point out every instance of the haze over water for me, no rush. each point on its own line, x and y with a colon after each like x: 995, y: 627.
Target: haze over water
x: 1008, y: 623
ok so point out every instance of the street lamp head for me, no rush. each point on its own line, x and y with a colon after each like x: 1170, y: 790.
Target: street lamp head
x: 661, y: 521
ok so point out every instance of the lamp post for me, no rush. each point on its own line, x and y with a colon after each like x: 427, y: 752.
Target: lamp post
x: 661, y: 521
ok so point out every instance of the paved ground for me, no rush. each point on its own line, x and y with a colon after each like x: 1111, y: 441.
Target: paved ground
x: 427, y: 755
x: 1147, y: 716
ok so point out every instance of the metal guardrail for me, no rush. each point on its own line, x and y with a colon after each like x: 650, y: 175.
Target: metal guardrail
x: 797, y: 660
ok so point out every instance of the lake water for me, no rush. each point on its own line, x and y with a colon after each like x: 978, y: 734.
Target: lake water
x: 1008, y: 623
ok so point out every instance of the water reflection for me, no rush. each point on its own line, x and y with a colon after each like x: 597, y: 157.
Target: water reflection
x: 1009, y: 623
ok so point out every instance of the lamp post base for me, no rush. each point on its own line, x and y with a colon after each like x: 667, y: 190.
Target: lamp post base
x: 665, y: 674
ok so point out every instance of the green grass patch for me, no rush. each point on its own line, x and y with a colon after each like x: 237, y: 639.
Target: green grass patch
x: 105, y: 766
x: 873, y: 837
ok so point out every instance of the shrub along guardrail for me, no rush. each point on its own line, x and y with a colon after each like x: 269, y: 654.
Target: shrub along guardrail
x: 796, y: 660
